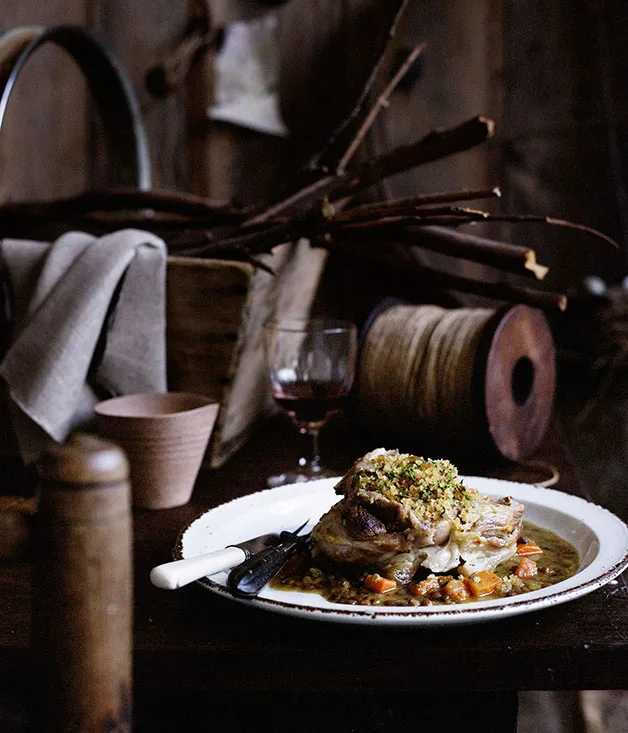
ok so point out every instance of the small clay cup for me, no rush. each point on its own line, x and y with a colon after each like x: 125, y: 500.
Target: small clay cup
x: 165, y: 436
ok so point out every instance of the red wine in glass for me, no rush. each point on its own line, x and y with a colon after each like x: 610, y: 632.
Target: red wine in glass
x: 310, y: 402
x: 311, y: 365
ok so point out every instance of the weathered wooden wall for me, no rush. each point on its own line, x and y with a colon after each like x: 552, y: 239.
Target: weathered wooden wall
x: 327, y: 50
x: 564, y: 139
x: 552, y: 77
x: 43, y: 148
x: 46, y: 149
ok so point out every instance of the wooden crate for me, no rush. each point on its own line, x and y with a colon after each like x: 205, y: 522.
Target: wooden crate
x: 215, y: 314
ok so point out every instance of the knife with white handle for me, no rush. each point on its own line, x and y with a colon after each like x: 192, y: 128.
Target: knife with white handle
x: 176, y: 574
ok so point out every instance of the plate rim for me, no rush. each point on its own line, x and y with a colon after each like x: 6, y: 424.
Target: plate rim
x: 435, y: 615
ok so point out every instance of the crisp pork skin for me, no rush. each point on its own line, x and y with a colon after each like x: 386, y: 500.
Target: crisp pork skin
x: 400, y: 512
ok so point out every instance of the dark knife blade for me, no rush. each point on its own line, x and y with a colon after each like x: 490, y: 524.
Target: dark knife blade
x: 254, y: 574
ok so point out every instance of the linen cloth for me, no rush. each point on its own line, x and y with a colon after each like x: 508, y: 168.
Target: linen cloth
x: 64, y: 294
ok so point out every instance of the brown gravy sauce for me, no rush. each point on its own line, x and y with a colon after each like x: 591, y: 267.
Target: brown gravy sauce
x: 340, y: 584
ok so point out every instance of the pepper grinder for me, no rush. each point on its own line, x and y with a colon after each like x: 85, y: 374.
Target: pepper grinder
x: 82, y: 615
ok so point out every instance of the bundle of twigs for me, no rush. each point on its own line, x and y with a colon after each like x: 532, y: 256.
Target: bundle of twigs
x: 323, y: 209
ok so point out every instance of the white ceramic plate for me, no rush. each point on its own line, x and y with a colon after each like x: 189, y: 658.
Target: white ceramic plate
x: 599, y: 536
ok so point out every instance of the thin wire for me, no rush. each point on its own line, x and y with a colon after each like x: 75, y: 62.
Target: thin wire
x: 554, y: 473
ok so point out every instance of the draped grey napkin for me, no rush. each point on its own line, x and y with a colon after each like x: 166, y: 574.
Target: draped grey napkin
x: 63, y: 294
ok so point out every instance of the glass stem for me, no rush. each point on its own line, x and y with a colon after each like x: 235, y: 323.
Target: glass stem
x: 315, y: 460
x: 311, y: 463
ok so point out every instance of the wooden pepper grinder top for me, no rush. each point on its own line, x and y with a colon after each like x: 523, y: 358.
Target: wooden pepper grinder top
x: 82, y: 621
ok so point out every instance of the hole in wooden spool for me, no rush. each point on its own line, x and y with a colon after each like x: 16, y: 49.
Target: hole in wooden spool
x: 522, y: 380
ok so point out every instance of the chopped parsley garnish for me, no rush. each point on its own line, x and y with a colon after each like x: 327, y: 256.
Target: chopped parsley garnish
x: 429, y: 487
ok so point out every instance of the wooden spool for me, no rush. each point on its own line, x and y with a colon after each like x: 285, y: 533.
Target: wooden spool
x: 83, y: 589
x: 510, y: 392
x: 515, y: 380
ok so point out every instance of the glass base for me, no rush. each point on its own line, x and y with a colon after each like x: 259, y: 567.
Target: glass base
x: 299, y: 476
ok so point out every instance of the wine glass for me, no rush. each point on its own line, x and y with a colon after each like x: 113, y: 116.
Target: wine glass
x: 311, y: 366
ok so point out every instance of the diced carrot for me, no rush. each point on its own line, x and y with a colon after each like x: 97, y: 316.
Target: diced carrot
x: 379, y: 584
x: 457, y: 590
x: 528, y: 548
x: 482, y: 583
x: 425, y: 587
x: 526, y: 568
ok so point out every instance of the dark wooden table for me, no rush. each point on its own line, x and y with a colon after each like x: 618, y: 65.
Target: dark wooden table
x: 196, y: 652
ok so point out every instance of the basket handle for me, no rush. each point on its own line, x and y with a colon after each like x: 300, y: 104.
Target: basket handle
x: 109, y: 85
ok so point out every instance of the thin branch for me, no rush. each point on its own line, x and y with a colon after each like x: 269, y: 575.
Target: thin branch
x: 225, y: 253
x: 411, y: 274
x: 129, y: 199
x: 380, y: 208
x: 436, y: 145
x: 501, y: 255
x: 534, y: 219
x: 382, y: 101
x: 314, y: 192
x: 400, y: 213
x: 255, y: 243
x: 581, y: 228
x: 543, y: 299
x: 316, y: 162
x: 256, y: 262
x: 457, y: 216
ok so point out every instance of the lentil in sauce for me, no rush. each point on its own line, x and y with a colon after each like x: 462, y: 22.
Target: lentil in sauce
x: 558, y: 561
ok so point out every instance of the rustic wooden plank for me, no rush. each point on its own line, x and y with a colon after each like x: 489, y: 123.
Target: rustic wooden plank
x: 564, y: 107
x: 328, y: 51
x: 209, y: 147
x: 143, y: 35
x: 43, y: 146
x: 205, y: 302
x: 50, y: 108
x: 456, y: 82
